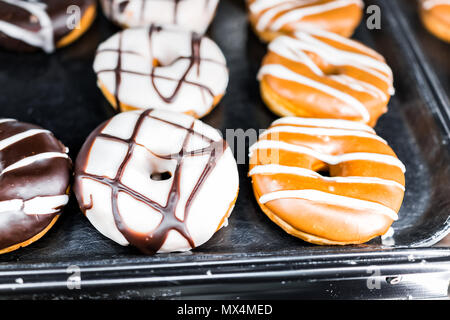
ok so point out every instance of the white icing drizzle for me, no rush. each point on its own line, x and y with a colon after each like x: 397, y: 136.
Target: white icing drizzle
x: 368, y: 64
x: 299, y: 14
x: 324, y: 123
x: 345, y: 41
x: 20, y: 136
x: 389, y: 234
x: 429, y: 4
x: 359, y: 85
x: 329, y: 199
x: 280, y: 169
x: 282, y: 72
x: 327, y: 158
x: 292, y: 11
x: 35, y: 206
x: 296, y: 49
x: 31, y: 159
x: 322, y: 132
x: 265, y: 19
x: 338, y: 57
x: 7, y: 120
x: 43, y: 38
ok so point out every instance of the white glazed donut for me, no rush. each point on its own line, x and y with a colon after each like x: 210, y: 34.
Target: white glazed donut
x: 195, y: 15
x: 162, y: 68
x: 159, y: 180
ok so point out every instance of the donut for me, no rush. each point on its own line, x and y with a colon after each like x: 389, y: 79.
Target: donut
x: 435, y: 15
x: 193, y: 15
x: 161, y: 181
x: 35, y: 172
x: 272, y: 18
x: 327, y: 181
x: 163, y: 68
x: 43, y: 24
x: 319, y: 74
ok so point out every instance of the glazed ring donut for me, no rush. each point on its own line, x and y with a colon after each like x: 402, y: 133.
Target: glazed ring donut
x: 163, y: 68
x: 322, y: 75
x: 435, y: 15
x: 34, y: 183
x: 43, y: 24
x: 159, y: 195
x: 357, y: 202
x: 272, y: 18
x: 193, y: 15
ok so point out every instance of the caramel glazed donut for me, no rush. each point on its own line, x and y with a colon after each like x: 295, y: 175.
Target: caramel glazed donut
x: 272, y: 18
x: 162, y: 67
x: 43, y: 24
x: 357, y: 202
x: 160, y: 195
x: 435, y: 15
x: 319, y: 74
x: 193, y: 15
x: 35, y: 171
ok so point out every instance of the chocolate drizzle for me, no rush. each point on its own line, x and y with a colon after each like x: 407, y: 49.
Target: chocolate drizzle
x: 151, y: 243
x: 175, y: 11
x: 194, y: 59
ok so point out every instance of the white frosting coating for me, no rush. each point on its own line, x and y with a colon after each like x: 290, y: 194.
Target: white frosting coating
x: 43, y: 38
x: 281, y: 12
x: 327, y: 158
x: 211, y: 203
x: 198, y: 84
x: 430, y: 4
x: 330, y: 199
x: 281, y: 169
x: 194, y: 15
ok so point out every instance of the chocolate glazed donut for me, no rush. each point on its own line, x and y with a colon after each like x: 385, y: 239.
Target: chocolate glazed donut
x: 43, y: 24
x: 35, y: 171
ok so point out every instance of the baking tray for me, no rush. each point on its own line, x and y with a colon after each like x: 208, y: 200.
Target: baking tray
x: 252, y: 257
x: 433, y: 53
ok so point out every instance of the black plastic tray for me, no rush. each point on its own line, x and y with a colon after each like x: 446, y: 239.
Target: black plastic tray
x: 252, y: 257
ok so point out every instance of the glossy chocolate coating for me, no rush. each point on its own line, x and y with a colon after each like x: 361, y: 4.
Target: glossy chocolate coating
x: 57, y: 10
x: 46, y: 177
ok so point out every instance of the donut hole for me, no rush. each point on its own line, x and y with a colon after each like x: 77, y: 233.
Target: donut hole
x: 161, y: 176
x: 322, y: 168
x: 324, y: 173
